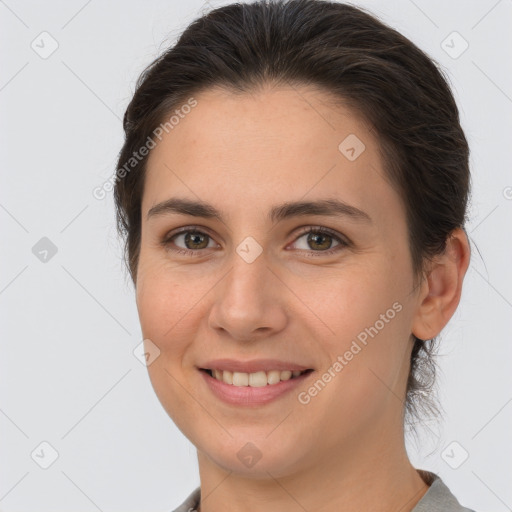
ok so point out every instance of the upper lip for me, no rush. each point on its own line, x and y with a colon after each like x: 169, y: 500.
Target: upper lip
x: 252, y: 366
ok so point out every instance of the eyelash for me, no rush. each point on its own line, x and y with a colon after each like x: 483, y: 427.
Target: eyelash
x: 342, y: 243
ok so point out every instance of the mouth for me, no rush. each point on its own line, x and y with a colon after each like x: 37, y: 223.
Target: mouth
x: 255, y: 382
x: 256, y: 379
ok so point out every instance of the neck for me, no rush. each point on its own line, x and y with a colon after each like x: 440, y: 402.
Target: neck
x: 368, y: 474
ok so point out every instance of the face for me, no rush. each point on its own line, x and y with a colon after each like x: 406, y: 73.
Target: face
x: 254, y: 284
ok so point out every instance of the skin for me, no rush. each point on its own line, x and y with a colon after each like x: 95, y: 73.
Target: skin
x: 243, y: 154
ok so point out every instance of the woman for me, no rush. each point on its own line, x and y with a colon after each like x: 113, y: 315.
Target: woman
x: 293, y: 189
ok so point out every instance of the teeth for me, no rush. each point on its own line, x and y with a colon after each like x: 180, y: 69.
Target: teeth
x: 273, y: 377
x: 255, y: 380
x: 240, y: 379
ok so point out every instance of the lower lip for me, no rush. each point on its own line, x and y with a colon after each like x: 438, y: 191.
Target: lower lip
x: 249, y: 396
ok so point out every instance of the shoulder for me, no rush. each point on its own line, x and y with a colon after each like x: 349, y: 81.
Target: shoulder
x: 438, y: 498
x: 191, y: 504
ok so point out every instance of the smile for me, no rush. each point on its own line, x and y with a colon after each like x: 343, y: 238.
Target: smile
x: 256, y: 379
x: 253, y: 389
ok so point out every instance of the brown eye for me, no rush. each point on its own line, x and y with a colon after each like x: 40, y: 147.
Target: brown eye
x: 188, y: 241
x: 320, y: 240
x: 196, y: 240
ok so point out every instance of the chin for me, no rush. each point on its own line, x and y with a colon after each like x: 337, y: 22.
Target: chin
x: 254, y: 456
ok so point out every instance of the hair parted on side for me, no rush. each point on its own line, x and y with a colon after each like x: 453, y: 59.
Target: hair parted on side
x: 357, y: 59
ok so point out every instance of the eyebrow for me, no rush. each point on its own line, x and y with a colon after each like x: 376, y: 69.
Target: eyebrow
x: 327, y: 207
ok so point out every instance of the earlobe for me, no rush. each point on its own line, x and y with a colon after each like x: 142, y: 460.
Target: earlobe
x: 441, y: 289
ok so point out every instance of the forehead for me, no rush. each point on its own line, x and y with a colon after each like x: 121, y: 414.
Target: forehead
x: 261, y: 147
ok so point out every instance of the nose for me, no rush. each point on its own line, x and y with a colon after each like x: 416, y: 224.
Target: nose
x: 248, y: 303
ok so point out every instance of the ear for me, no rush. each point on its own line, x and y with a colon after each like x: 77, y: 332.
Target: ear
x: 442, y: 287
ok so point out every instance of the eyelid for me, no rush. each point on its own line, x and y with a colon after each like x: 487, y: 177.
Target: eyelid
x: 322, y: 229
x: 168, y: 237
x: 187, y: 229
x: 343, y: 240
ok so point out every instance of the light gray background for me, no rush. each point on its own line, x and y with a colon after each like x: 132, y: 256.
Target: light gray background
x: 69, y: 325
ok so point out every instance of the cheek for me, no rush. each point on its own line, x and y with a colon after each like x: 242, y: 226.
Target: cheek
x: 167, y: 317
x: 172, y: 304
x: 165, y: 302
x: 365, y: 330
x: 346, y: 303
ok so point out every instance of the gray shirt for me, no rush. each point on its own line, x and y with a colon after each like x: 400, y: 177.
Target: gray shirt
x: 438, y: 498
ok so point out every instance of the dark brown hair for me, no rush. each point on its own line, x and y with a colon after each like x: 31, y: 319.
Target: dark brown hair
x: 347, y: 52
